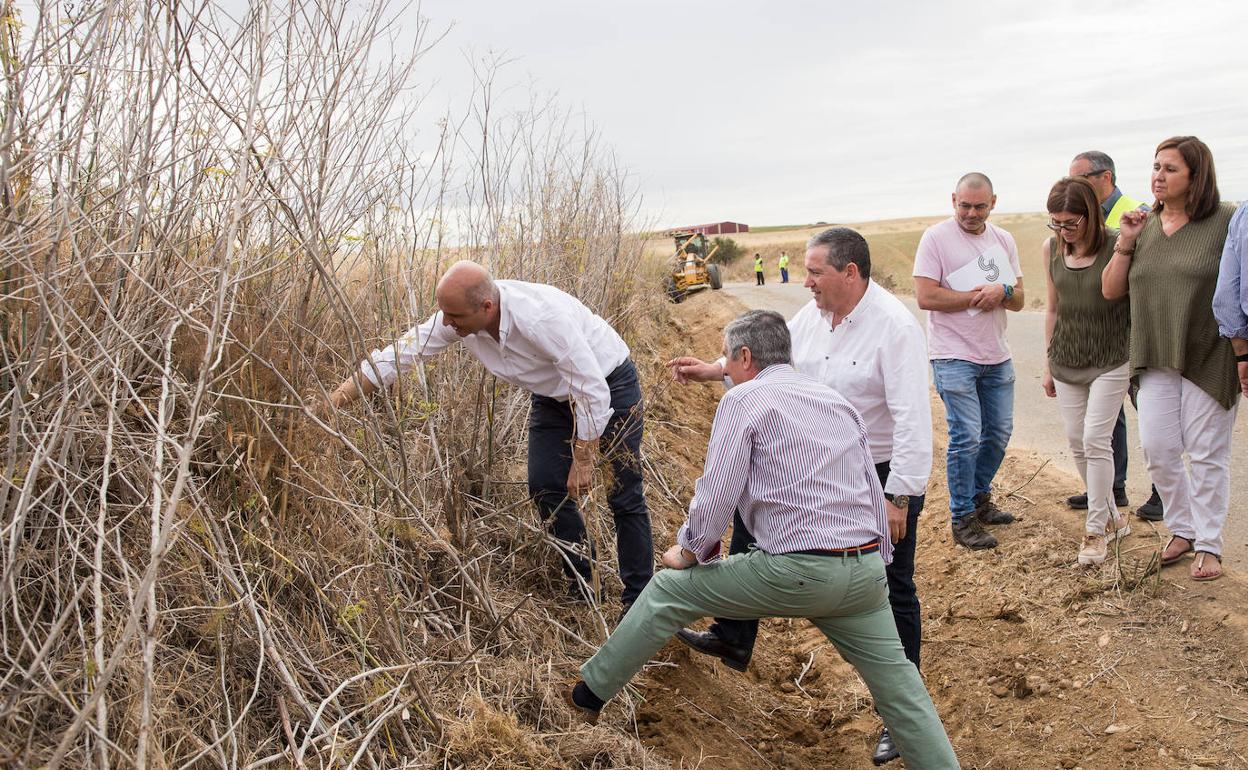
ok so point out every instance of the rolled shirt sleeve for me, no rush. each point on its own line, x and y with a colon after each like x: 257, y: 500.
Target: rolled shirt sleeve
x: 904, y: 362
x: 717, y: 494
x: 1230, y: 298
x: 383, y: 366
x: 587, y: 383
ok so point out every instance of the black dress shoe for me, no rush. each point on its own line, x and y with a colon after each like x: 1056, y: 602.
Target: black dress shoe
x: 709, y: 644
x: 1078, y: 502
x: 885, y: 749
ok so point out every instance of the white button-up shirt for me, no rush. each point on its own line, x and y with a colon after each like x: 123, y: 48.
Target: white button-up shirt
x: 876, y: 358
x: 791, y: 455
x: 548, y: 343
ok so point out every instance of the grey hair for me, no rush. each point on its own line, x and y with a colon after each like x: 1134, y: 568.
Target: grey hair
x: 974, y: 179
x: 844, y: 246
x: 765, y: 333
x: 480, y: 291
x: 1099, y: 162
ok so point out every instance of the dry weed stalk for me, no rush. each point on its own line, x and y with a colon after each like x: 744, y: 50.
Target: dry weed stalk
x: 205, y: 219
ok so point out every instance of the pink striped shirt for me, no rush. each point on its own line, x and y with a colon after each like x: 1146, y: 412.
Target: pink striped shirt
x: 792, y: 456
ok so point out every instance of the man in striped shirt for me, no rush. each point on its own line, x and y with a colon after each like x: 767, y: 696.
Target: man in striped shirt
x: 814, y: 504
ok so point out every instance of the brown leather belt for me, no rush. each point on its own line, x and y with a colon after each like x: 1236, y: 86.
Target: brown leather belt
x: 858, y: 550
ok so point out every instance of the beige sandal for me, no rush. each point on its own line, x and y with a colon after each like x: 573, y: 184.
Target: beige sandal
x: 1172, y: 559
x: 1198, y: 565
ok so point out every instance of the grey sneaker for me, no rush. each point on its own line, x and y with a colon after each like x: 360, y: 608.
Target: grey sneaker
x: 988, y: 513
x: 969, y: 533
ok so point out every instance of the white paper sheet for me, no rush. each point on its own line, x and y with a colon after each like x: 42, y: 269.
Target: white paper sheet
x: 993, y: 266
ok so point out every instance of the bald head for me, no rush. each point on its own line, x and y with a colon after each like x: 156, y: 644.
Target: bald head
x: 466, y: 282
x: 468, y: 299
x: 974, y: 181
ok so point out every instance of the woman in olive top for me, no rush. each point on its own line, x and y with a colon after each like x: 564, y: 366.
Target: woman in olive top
x: 1086, y: 337
x: 1168, y: 259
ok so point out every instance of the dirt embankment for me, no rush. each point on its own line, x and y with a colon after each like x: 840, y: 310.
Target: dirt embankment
x: 1032, y: 661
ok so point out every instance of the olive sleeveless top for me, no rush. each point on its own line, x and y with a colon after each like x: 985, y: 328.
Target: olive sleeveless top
x: 1092, y: 335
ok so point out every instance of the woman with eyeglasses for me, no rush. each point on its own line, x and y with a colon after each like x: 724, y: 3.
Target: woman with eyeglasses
x: 1168, y: 262
x: 1087, y: 339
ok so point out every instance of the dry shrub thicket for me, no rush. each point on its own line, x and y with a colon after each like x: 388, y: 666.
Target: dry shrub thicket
x: 207, y: 220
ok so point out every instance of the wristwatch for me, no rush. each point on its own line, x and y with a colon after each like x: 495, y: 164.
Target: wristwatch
x: 901, y: 501
x: 1009, y: 291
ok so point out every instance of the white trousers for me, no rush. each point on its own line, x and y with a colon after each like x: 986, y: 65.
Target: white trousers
x: 1176, y: 417
x: 1089, y: 412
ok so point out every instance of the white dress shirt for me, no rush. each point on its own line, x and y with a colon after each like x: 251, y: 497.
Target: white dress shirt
x: 796, y: 489
x: 876, y: 358
x: 548, y: 343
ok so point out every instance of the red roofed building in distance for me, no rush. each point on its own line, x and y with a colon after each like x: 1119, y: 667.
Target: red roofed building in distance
x: 715, y: 228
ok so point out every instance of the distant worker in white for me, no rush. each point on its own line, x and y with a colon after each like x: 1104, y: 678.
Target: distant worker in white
x: 966, y: 275
x: 585, y: 393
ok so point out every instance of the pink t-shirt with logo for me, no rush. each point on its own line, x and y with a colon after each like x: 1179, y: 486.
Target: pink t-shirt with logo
x: 943, y: 249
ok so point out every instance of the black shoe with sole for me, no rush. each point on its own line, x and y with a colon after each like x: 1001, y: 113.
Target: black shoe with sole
x: 885, y: 749
x: 708, y: 643
x: 583, y: 702
x: 1080, y: 502
x: 969, y: 533
x: 988, y: 513
x: 1151, y: 510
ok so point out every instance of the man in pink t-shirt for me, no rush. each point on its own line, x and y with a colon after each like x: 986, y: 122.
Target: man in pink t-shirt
x: 966, y: 343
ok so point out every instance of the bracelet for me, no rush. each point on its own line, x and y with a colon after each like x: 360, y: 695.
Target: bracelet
x: 1241, y: 358
x: 1124, y: 252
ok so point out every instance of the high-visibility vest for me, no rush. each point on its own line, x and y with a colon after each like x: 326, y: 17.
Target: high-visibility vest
x: 758, y: 265
x: 784, y: 261
x: 1121, y: 206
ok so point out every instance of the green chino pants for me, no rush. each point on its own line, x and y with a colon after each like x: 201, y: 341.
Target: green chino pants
x: 845, y: 596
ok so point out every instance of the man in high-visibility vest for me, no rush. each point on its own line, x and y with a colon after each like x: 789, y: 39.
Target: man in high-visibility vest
x: 1098, y: 169
x: 784, y: 267
x: 759, y: 279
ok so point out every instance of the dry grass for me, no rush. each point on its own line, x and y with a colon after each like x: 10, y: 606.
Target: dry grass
x: 207, y: 222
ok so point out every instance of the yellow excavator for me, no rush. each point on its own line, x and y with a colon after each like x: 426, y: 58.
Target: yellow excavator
x: 691, y: 266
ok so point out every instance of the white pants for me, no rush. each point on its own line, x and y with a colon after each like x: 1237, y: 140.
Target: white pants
x: 1176, y: 416
x: 1089, y: 412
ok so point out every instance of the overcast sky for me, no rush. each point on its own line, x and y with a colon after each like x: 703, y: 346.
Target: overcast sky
x: 792, y: 111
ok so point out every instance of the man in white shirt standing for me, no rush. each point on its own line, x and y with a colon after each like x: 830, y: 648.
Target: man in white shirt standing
x: 584, y: 392
x: 970, y: 358
x: 860, y: 340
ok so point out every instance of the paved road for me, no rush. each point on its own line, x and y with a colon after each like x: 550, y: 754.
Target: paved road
x: 1037, y: 423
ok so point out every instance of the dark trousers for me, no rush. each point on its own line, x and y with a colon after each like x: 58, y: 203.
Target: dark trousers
x: 1118, y: 442
x: 551, y: 432
x: 758, y: 278
x: 902, y: 595
x: 784, y: 275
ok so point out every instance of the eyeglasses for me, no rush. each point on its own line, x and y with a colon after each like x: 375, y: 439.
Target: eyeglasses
x: 1069, y: 227
x: 1092, y: 173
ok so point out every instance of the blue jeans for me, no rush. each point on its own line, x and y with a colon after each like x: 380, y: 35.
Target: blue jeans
x: 979, y: 407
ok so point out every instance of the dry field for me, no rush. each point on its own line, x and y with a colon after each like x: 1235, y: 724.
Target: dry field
x: 893, y: 243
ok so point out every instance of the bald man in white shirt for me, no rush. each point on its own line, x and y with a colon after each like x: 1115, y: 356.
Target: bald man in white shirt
x: 584, y: 392
x: 861, y: 341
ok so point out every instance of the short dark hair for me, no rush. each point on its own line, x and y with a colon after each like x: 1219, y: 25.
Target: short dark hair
x: 844, y: 246
x: 1202, y: 193
x: 974, y: 179
x: 1075, y: 195
x: 1100, y: 162
x: 765, y: 333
